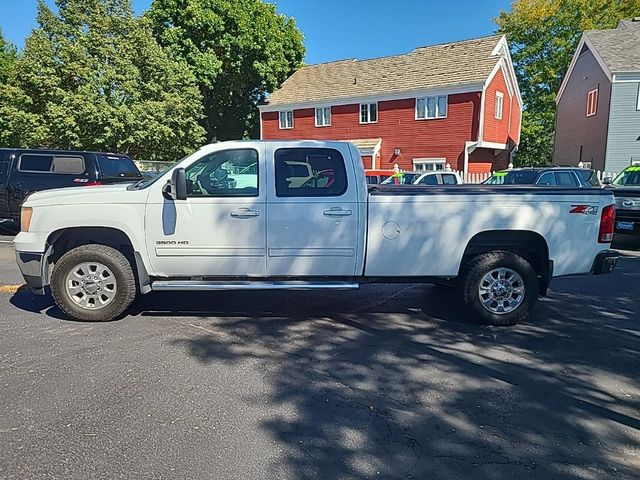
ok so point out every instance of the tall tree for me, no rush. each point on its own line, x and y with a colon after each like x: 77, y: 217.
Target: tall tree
x: 239, y: 50
x: 543, y: 35
x: 8, y: 57
x: 93, y: 77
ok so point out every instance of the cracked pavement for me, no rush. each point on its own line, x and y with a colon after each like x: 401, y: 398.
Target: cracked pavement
x: 387, y: 382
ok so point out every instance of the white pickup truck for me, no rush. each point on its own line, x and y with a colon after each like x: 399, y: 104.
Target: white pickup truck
x: 248, y: 215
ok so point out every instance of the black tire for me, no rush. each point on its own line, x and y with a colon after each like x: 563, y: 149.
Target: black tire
x: 473, y: 273
x: 125, y: 291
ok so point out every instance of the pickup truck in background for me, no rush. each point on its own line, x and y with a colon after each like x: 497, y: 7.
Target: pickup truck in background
x: 197, y: 228
x: 25, y: 171
x: 626, y: 189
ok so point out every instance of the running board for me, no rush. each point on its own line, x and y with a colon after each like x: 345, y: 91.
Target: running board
x: 200, y: 285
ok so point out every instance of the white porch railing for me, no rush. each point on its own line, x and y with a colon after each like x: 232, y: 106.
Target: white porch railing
x: 481, y: 177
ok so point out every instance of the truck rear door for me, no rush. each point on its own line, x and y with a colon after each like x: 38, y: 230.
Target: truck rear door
x: 313, y: 226
x: 4, y: 176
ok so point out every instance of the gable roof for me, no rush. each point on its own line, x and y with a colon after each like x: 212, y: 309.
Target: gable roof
x: 437, y: 66
x: 619, y: 48
x: 616, y: 50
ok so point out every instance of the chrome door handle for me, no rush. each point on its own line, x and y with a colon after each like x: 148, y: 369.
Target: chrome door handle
x: 336, y: 212
x: 244, y: 213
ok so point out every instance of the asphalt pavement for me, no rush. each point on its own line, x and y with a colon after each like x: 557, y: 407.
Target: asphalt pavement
x: 385, y: 382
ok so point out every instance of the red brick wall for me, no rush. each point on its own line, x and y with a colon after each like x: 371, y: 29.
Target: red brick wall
x: 397, y: 126
x: 496, y: 130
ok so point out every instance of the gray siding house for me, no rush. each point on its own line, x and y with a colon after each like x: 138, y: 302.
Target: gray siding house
x: 598, y: 104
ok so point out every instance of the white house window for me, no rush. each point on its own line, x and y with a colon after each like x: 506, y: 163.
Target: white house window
x: 286, y: 119
x: 431, y: 107
x: 592, y: 103
x: 429, y: 164
x: 368, y: 113
x: 323, y: 117
x: 499, y: 105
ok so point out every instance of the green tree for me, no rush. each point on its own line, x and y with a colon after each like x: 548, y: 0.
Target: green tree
x: 8, y: 57
x: 239, y: 51
x: 93, y: 77
x: 543, y: 35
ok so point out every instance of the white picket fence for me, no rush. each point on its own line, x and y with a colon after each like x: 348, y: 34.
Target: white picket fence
x: 481, y: 177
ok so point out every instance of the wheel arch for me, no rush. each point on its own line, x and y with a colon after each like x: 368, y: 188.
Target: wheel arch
x: 65, y: 239
x: 528, y: 244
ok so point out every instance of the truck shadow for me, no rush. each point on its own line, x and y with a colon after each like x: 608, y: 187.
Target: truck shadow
x: 399, y: 383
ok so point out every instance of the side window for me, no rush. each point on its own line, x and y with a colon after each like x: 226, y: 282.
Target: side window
x: 566, y: 179
x: 547, y: 179
x: 429, y: 180
x: 70, y: 165
x: 449, y: 179
x: 227, y: 173
x: 35, y: 163
x: 309, y: 172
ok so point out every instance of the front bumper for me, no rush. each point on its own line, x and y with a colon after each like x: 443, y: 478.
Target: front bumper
x: 32, y: 267
x: 605, y: 262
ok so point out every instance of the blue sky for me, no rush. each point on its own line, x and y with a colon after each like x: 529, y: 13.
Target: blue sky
x: 337, y: 29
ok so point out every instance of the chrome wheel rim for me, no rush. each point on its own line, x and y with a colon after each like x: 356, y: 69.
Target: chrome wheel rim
x: 91, y: 285
x: 501, y: 291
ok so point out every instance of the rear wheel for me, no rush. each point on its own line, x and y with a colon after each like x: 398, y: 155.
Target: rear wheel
x: 93, y: 283
x: 501, y: 288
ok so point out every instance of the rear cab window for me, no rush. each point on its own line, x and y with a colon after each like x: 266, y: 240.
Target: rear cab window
x: 309, y: 172
x: 117, y: 166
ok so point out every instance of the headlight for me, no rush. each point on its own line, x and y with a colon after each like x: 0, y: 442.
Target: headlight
x: 25, y: 218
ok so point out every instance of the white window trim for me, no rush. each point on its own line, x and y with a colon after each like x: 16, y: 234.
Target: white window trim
x: 330, y: 115
x: 498, y: 114
x: 595, y: 106
x: 368, y: 113
x: 446, y: 99
x: 429, y: 161
x: 638, y: 100
x: 280, y: 119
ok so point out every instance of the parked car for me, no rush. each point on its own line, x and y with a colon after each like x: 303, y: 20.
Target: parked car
x: 438, y: 177
x: 97, y: 247
x: 548, y: 176
x: 25, y: 171
x: 374, y: 177
x: 626, y: 189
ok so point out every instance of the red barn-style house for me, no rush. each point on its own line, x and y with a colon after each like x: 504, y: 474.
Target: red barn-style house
x: 456, y: 104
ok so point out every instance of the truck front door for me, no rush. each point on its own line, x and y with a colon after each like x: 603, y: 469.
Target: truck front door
x: 313, y: 225
x: 220, y: 230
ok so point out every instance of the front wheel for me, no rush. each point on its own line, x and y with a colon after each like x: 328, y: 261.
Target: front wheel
x: 93, y: 283
x: 501, y: 288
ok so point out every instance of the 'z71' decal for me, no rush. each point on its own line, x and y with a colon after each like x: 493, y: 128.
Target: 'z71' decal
x: 584, y: 209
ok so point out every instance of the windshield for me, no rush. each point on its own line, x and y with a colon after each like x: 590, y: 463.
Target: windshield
x: 117, y: 166
x: 513, y: 177
x: 629, y: 177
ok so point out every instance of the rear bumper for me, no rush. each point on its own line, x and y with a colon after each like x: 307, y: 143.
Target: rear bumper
x: 605, y: 262
x: 31, y: 266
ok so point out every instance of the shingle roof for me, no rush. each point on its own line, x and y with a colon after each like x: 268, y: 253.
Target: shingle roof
x: 619, y: 48
x: 444, y: 65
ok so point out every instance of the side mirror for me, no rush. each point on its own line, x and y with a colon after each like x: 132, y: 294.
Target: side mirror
x: 176, y: 188
x: 607, y: 181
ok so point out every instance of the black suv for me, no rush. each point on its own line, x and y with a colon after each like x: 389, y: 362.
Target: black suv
x: 566, y: 177
x: 26, y: 171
